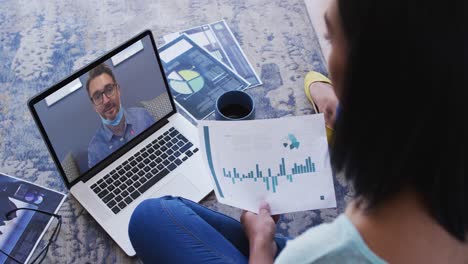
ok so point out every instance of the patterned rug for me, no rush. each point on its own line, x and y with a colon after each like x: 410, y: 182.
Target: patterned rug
x: 44, y: 41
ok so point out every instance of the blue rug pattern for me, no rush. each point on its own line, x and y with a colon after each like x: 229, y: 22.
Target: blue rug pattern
x: 42, y: 42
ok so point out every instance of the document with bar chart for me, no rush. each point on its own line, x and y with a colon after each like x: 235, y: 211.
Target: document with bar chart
x: 284, y: 162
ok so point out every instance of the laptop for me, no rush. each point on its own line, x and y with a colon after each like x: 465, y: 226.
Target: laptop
x: 115, y: 135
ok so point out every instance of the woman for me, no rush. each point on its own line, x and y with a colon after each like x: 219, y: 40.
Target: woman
x: 396, y: 71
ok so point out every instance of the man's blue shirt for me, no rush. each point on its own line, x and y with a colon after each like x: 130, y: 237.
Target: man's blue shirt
x: 105, y: 142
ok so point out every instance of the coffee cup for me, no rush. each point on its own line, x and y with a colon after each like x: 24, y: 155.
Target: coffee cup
x: 235, y: 105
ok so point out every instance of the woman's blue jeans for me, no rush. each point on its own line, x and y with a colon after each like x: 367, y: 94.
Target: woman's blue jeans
x: 177, y: 230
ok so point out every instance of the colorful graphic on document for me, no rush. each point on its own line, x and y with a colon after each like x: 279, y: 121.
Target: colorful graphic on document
x: 291, y: 142
x: 186, y: 81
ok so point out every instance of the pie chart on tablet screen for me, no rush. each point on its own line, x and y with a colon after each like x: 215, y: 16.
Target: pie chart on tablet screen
x: 186, y: 81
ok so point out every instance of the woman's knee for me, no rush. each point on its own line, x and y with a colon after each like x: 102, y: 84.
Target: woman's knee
x: 147, y: 212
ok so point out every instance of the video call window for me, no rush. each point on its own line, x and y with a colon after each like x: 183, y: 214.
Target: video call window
x: 98, y: 113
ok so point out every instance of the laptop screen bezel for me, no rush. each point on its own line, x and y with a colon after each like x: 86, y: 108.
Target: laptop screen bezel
x: 132, y: 143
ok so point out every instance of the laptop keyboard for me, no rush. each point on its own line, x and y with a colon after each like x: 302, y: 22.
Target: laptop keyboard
x: 141, y: 171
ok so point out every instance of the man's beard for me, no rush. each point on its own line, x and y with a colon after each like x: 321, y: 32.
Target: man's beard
x: 109, y: 107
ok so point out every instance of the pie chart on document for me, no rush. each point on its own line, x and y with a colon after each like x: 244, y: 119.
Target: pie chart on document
x: 186, y: 81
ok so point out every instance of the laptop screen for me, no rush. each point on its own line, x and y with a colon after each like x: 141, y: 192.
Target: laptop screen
x: 106, y: 107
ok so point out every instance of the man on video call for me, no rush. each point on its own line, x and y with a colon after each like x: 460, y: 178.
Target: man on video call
x: 118, y: 124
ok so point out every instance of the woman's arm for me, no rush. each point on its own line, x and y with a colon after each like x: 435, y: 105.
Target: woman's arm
x: 260, y: 229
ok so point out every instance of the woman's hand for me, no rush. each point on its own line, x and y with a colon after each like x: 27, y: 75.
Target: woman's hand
x: 260, y: 229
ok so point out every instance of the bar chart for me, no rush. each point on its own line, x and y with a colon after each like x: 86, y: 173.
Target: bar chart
x: 269, y: 178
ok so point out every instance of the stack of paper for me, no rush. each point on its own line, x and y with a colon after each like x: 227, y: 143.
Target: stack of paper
x: 203, y: 62
x: 21, y: 232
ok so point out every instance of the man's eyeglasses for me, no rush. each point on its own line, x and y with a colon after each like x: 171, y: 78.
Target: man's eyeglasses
x: 43, y: 252
x: 109, y: 91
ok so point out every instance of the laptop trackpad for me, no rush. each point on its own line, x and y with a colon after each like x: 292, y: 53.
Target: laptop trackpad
x: 178, y: 186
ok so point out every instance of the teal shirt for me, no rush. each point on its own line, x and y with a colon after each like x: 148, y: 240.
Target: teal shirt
x: 336, y: 242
